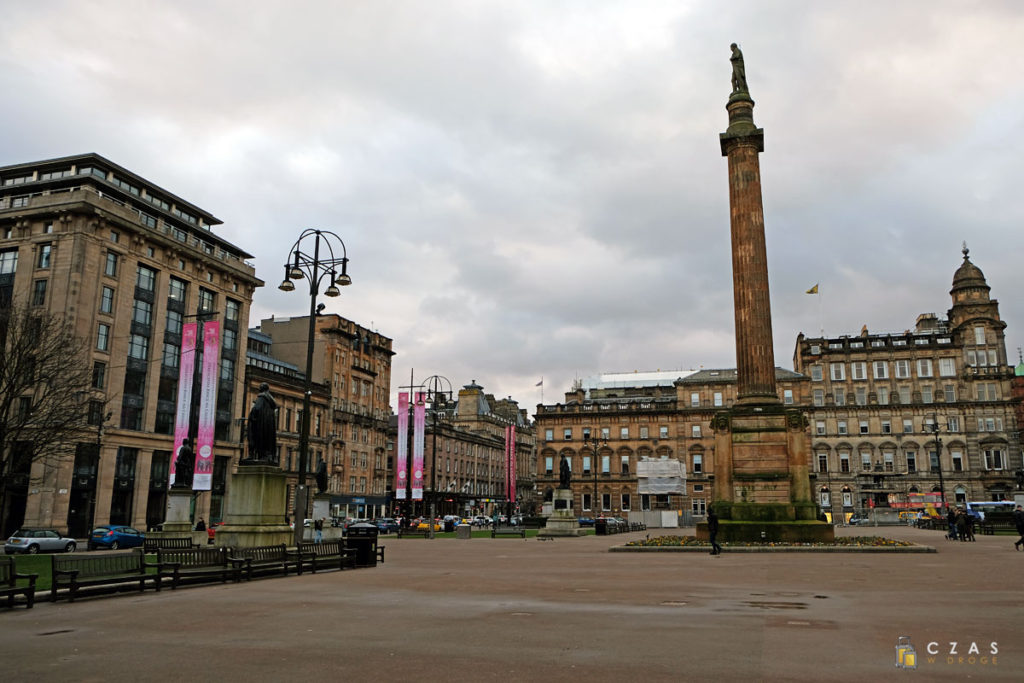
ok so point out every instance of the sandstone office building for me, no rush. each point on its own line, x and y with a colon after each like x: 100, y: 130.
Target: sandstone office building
x: 126, y: 263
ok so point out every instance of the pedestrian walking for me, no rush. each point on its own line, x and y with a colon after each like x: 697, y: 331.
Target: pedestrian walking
x: 970, y: 527
x: 201, y: 525
x: 713, y: 532
x: 318, y: 530
x: 961, y: 524
x: 951, y: 521
x: 1018, y: 521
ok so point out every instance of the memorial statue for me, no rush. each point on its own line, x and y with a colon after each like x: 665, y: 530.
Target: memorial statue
x: 739, y: 72
x: 184, y: 466
x: 321, y: 477
x: 564, y: 474
x: 263, y: 428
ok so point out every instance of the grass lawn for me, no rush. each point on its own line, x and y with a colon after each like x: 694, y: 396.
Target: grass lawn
x: 477, y: 533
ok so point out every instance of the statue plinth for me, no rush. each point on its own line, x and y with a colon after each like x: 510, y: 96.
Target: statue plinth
x: 563, y: 521
x: 257, y: 498
x: 178, y: 518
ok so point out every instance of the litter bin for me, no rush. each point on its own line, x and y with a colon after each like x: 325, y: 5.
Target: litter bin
x: 601, y: 526
x: 449, y: 526
x: 362, y: 538
x: 464, y: 531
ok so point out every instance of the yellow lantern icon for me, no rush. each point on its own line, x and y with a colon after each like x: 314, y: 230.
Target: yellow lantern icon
x: 906, y: 655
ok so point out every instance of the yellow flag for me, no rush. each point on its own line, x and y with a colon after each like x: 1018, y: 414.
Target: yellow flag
x: 813, y: 290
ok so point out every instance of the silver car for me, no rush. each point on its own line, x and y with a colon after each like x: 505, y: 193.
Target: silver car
x: 34, y: 541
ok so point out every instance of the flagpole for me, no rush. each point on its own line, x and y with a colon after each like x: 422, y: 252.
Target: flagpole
x: 821, y: 314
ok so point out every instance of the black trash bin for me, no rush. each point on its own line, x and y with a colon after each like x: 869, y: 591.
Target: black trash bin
x: 601, y: 526
x: 362, y: 538
x: 449, y: 525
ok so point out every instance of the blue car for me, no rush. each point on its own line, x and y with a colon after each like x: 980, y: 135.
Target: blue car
x: 115, y: 536
x: 586, y: 521
x: 386, y: 525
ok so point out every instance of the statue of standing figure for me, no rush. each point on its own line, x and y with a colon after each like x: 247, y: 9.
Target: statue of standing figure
x: 184, y: 466
x: 564, y: 474
x: 262, y: 426
x: 739, y: 71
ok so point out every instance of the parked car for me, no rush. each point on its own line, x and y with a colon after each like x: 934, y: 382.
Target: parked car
x: 480, y: 520
x: 856, y: 520
x: 424, y: 525
x: 386, y: 525
x: 115, y: 536
x: 586, y: 521
x: 34, y: 541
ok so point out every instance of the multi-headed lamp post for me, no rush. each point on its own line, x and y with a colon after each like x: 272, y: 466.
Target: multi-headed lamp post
x: 595, y: 445
x: 439, y: 392
x: 937, y: 464
x: 314, y: 268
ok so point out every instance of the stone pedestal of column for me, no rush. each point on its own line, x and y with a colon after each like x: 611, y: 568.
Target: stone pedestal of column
x: 257, y: 497
x: 563, y: 521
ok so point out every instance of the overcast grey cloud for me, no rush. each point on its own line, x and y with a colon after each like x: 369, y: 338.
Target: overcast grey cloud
x: 536, y: 189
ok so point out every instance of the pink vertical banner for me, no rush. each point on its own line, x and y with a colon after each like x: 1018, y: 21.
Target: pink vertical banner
x: 419, y: 418
x: 505, y: 463
x: 186, y: 365
x: 402, y: 443
x: 203, y: 478
x: 512, y: 464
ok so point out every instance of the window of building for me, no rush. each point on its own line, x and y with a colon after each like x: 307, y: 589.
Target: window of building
x: 623, y: 432
x: 99, y: 374
x: 695, y: 431
x: 953, y: 424
x: 947, y: 367
x: 861, y: 396
x: 698, y: 463
x: 926, y: 393
x: 694, y: 399
x: 911, y: 461
x: 39, y: 292
x: 567, y: 434
x: 586, y: 501
x: 908, y: 425
x: 229, y: 340
x: 888, y: 461
x: 606, y: 502
x: 107, y: 300
x: 606, y: 433
x: 819, y: 397
x: 993, y: 459
x: 171, y: 355
x: 644, y: 433
x: 44, y: 253
x: 207, y: 300
x: 586, y: 464
x: 858, y: 370
x: 924, y: 367
x: 819, y: 427
x: 698, y: 506
x: 142, y: 312
x: 606, y: 464
x: 886, y: 427
x: 787, y: 396
x: 816, y: 373
x: 625, y: 502
x: 883, y: 395
x: 822, y: 462
x: 958, y: 461
x: 844, y: 462
x: 663, y: 432
x: 979, y: 335
x: 863, y: 426
x: 549, y: 434
x: 138, y: 347
x: 865, y: 460
x: 949, y: 393
x: 718, y: 399
x: 902, y: 369
x: 841, y: 427
x: 905, y: 395
x: 881, y: 369
x: 231, y: 309
x: 837, y: 371
x: 103, y: 337
x: 176, y: 289
x: 146, y: 279
x: 8, y: 261
x: 624, y: 462
x: 110, y: 266
x: 839, y: 395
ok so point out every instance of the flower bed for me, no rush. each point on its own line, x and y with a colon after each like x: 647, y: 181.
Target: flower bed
x: 854, y: 541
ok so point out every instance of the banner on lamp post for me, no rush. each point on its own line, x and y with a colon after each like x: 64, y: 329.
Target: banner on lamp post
x: 203, y: 479
x: 186, y: 366
x: 418, y: 430
x: 512, y: 464
x: 402, y: 451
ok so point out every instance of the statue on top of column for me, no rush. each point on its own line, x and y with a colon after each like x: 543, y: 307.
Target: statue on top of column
x: 739, y: 72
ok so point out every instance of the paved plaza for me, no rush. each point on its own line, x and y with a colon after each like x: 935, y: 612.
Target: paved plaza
x: 564, y: 610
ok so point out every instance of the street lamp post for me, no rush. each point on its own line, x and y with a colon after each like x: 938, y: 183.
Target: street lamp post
x: 314, y: 269
x: 435, y: 393
x: 934, y: 429
x: 594, y: 444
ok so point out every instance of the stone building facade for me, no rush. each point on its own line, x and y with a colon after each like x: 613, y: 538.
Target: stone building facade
x: 924, y: 411
x: 467, y: 467
x: 607, y: 424
x: 127, y: 263
x: 355, y: 363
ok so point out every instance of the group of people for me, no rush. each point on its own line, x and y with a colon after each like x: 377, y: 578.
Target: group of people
x: 961, y: 524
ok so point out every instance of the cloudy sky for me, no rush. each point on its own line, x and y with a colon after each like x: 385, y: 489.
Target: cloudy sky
x: 536, y: 189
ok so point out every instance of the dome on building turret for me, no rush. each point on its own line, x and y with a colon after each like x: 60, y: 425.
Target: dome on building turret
x: 968, y: 275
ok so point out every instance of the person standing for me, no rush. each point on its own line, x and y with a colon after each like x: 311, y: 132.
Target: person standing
x: 1018, y: 521
x: 713, y: 532
x: 318, y: 530
x: 201, y: 525
x: 951, y: 520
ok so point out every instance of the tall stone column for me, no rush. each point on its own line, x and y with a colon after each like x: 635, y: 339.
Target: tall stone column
x: 755, y: 357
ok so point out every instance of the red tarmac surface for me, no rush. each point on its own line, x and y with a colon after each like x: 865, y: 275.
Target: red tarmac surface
x: 564, y: 610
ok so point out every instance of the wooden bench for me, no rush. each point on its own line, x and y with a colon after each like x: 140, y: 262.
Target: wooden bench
x: 74, y: 572
x: 422, y: 533
x: 990, y: 528
x: 195, y: 563
x: 508, y: 531
x: 266, y: 559
x: 329, y: 554
x: 151, y: 545
x: 9, y: 583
